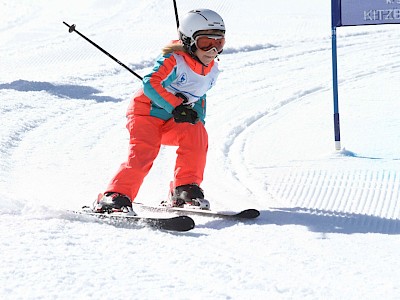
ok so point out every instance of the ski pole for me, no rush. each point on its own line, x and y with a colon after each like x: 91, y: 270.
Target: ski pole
x: 176, y: 14
x: 72, y: 29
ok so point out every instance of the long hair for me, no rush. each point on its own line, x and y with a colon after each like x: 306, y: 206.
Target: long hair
x: 172, y: 47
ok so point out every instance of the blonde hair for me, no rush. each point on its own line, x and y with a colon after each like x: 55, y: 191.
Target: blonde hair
x: 172, y: 47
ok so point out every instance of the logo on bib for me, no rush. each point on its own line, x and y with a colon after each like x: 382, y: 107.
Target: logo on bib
x: 182, y: 79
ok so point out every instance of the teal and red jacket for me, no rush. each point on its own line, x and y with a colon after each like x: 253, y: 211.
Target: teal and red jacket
x: 173, y: 73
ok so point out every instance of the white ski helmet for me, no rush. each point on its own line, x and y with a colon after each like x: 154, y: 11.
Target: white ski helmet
x: 196, y: 20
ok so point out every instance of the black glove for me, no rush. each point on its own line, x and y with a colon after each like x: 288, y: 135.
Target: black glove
x: 184, y: 113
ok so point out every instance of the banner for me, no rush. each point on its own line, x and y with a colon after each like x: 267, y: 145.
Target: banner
x: 365, y: 12
x: 357, y: 12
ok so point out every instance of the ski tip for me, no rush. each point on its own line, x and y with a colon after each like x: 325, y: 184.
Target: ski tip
x: 248, y: 214
x: 179, y: 223
x: 189, y: 222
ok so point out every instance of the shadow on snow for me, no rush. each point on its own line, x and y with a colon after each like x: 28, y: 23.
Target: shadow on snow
x: 62, y: 90
x: 321, y: 221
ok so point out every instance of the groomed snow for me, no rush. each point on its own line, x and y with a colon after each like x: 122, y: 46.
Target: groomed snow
x: 330, y: 220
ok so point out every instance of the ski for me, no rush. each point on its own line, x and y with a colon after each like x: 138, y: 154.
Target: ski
x: 179, y: 223
x: 240, y: 215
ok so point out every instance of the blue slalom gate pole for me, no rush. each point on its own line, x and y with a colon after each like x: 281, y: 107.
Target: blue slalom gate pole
x: 335, y: 91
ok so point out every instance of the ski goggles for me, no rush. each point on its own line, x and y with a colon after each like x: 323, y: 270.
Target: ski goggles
x: 209, y: 42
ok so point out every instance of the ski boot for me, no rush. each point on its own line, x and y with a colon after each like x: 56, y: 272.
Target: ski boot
x: 188, y: 196
x: 113, y: 202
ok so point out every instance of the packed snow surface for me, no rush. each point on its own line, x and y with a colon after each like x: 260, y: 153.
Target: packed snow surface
x: 330, y: 220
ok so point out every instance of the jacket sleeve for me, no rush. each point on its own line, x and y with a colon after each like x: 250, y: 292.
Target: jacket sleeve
x: 163, y: 73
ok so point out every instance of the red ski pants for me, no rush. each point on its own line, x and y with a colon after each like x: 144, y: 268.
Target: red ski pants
x: 147, y: 134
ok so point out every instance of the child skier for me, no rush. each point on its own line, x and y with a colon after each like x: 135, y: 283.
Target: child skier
x: 170, y: 110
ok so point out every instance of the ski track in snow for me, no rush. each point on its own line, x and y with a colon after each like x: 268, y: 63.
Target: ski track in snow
x: 354, y: 195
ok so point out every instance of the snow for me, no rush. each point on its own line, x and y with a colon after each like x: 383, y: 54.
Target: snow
x: 329, y: 221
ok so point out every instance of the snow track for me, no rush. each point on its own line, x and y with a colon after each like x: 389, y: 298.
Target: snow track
x: 284, y: 179
x: 363, y: 198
